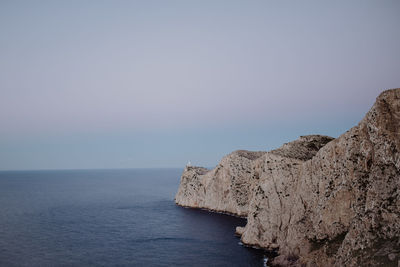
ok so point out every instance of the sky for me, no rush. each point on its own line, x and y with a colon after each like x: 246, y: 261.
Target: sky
x: 146, y: 84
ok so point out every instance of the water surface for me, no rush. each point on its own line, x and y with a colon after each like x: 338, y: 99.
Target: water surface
x: 111, y: 218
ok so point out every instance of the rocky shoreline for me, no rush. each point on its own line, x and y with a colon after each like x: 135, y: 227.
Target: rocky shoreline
x: 214, y: 211
x: 317, y: 201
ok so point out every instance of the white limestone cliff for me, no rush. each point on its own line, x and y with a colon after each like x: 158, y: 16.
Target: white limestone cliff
x: 316, y: 201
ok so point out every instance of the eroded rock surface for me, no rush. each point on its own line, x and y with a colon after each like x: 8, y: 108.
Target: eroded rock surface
x: 226, y: 188
x: 317, y: 201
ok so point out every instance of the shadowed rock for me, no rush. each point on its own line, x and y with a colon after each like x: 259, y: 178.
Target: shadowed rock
x: 303, y: 148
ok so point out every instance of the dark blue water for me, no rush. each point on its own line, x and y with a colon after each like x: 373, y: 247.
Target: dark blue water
x: 111, y: 218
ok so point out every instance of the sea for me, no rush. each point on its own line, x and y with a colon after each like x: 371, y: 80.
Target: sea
x: 124, y: 217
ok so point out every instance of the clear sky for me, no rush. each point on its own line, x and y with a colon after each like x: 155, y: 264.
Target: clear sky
x: 125, y: 84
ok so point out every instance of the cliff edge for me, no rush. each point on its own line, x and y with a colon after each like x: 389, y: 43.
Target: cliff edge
x: 318, y: 201
x: 226, y: 188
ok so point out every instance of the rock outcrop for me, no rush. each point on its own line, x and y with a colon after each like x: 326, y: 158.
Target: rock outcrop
x: 226, y: 188
x: 317, y: 201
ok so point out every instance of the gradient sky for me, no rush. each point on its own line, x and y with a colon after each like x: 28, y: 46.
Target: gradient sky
x: 126, y: 84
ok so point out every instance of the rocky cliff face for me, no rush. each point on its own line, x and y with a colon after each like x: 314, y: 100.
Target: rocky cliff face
x: 317, y: 201
x: 226, y: 188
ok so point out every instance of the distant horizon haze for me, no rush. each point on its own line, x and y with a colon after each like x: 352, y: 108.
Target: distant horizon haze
x: 154, y: 84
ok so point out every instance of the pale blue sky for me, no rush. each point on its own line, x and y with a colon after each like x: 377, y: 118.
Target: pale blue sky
x: 121, y: 84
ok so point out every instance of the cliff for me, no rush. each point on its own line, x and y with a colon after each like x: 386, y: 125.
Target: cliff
x: 226, y: 188
x: 317, y: 201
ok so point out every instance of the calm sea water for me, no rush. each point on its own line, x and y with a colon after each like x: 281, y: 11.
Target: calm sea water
x: 111, y: 218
